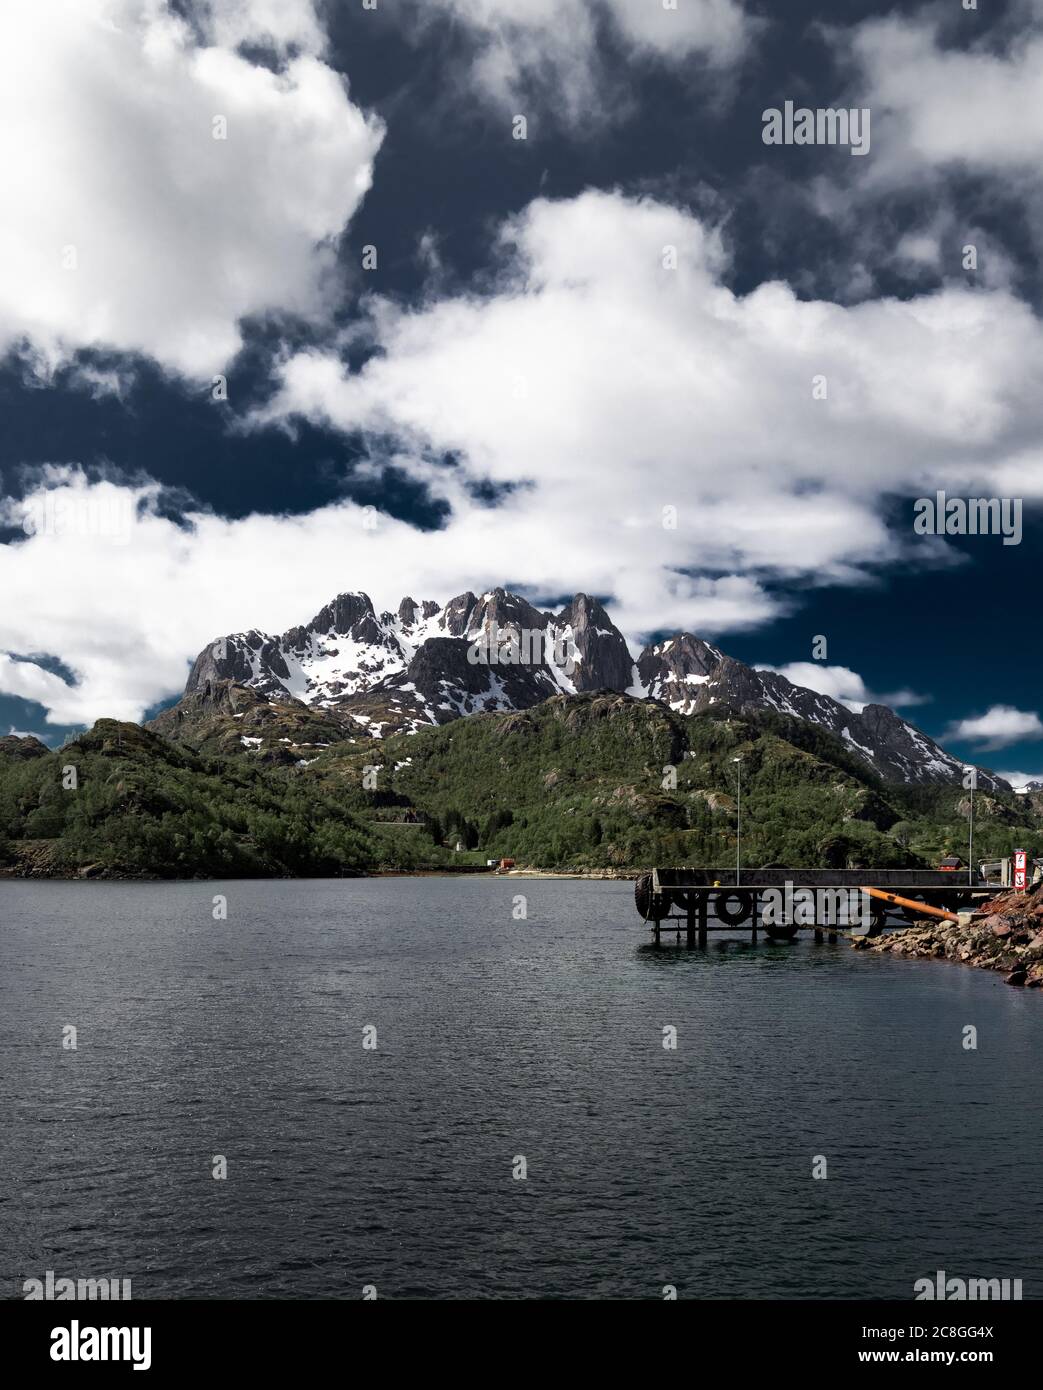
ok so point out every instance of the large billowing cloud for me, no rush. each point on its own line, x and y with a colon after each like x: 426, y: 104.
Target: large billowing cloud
x: 595, y: 394
x: 547, y: 51
x: 127, y: 225
x: 606, y: 387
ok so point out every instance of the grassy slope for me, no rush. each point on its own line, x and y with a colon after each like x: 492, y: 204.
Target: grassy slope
x: 579, y: 782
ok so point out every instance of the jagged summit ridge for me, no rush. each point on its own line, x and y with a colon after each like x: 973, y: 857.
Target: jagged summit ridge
x: 417, y: 666
x: 418, y: 656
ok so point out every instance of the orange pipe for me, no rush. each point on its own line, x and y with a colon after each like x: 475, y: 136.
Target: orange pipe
x: 911, y: 902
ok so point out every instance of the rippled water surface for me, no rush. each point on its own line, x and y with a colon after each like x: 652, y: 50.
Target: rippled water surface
x: 496, y: 1038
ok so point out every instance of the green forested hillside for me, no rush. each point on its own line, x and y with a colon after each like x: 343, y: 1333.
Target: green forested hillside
x: 137, y: 804
x: 591, y: 781
x: 588, y: 781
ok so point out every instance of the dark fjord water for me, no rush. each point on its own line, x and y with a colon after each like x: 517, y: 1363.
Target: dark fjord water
x: 496, y: 1038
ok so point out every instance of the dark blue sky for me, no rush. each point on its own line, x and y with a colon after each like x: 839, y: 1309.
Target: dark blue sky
x: 962, y: 635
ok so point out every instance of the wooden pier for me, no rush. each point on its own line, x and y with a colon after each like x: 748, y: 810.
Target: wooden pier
x: 696, y: 902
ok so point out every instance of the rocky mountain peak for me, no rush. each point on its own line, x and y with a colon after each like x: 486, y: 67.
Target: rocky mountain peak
x: 600, y: 653
x: 348, y: 614
x: 456, y: 615
x: 21, y: 747
x: 507, y: 611
x: 424, y: 664
x: 407, y: 611
x: 672, y: 670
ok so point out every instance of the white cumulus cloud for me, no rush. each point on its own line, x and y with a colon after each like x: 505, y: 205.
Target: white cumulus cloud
x: 998, y: 727
x: 607, y: 389
x: 842, y: 684
x: 947, y: 105
x: 126, y: 225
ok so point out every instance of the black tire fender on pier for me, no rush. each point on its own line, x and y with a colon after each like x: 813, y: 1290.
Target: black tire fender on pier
x: 732, y: 916
x: 650, y: 905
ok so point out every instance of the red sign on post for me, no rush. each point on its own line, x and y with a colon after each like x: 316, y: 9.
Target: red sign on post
x: 1020, y: 871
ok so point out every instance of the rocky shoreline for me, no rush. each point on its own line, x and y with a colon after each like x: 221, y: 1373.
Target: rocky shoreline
x: 1005, y: 934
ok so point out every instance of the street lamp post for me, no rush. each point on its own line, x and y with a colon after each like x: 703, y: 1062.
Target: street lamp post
x: 738, y: 813
x: 973, y: 773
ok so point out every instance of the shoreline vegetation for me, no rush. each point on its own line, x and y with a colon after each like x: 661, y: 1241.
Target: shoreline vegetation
x: 87, y: 874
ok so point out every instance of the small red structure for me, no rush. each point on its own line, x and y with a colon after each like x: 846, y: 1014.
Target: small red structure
x: 506, y: 864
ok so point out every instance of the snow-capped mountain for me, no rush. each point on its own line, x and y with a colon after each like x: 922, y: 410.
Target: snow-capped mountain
x: 427, y: 664
x: 689, y: 675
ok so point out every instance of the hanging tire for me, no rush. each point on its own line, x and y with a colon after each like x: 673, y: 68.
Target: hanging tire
x: 650, y: 905
x: 733, y: 916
